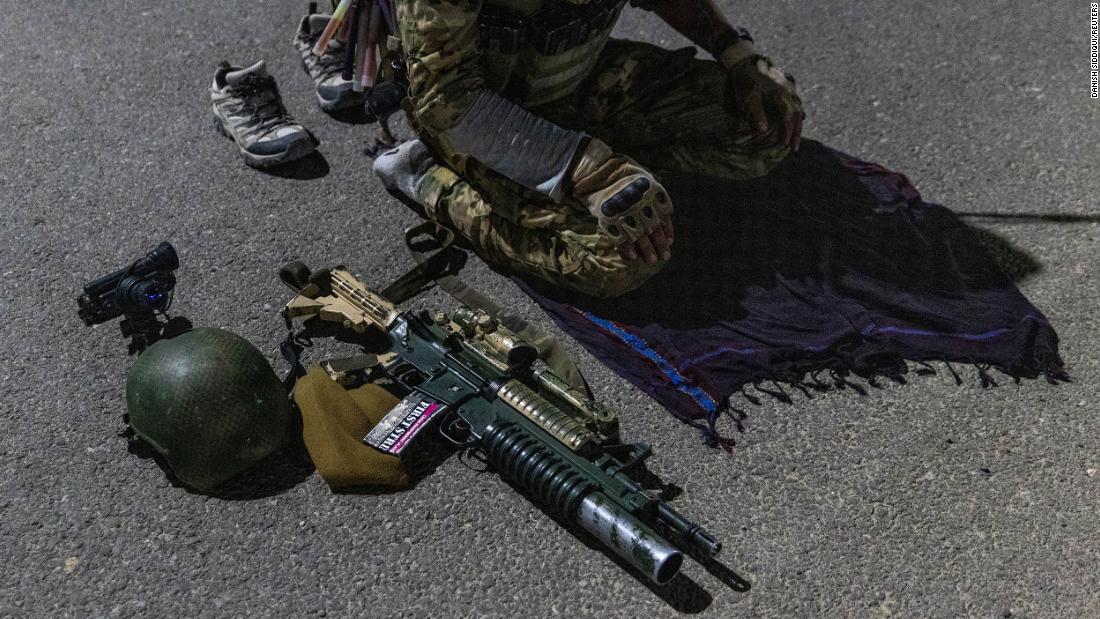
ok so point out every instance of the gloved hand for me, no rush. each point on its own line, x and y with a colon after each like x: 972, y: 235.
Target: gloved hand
x: 631, y: 207
x: 761, y: 91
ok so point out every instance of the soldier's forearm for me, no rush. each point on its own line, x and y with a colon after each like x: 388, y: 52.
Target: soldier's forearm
x: 704, y: 24
x: 515, y: 143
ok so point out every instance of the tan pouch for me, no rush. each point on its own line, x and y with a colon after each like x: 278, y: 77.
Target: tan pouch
x: 334, y: 422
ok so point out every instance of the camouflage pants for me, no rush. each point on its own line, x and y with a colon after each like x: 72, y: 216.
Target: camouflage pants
x: 663, y: 108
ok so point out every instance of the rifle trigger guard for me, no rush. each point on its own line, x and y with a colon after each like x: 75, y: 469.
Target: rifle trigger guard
x: 455, y: 429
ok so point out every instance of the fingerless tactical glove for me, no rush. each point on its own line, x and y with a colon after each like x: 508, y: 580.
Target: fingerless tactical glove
x: 627, y: 201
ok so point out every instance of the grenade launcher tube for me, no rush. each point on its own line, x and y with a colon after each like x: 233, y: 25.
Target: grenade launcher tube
x: 523, y: 453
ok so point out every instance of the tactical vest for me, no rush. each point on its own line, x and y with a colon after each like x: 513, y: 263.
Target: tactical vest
x: 534, y: 51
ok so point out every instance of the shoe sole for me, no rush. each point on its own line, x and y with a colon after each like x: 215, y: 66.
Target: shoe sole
x: 297, y: 150
x: 336, y: 106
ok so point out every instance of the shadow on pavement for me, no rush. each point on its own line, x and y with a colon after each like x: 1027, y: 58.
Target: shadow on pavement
x: 354, y: 116
x: 1016, y: 263
x: 309, y: 168
x: 274, y: 475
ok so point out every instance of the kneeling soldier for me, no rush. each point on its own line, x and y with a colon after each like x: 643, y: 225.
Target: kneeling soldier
x: 541, y: 139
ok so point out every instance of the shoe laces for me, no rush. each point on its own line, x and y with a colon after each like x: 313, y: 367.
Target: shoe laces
x: 331, y: 62
x: 260, y: 99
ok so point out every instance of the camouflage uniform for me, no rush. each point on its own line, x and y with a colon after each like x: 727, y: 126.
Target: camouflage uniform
x: 665, y: 109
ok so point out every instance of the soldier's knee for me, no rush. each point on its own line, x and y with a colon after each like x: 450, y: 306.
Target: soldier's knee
x: 612, y: 276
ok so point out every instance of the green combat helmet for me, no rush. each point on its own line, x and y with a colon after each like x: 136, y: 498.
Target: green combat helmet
x: 209, y: 403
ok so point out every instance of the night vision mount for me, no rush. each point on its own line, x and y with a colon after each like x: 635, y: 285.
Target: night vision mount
x: 139, y: 293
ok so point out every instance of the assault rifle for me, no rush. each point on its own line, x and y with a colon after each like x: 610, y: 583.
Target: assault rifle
x: 485, y: 386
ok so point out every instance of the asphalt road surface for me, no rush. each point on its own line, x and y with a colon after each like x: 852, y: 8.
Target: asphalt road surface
x: 923, y: 500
